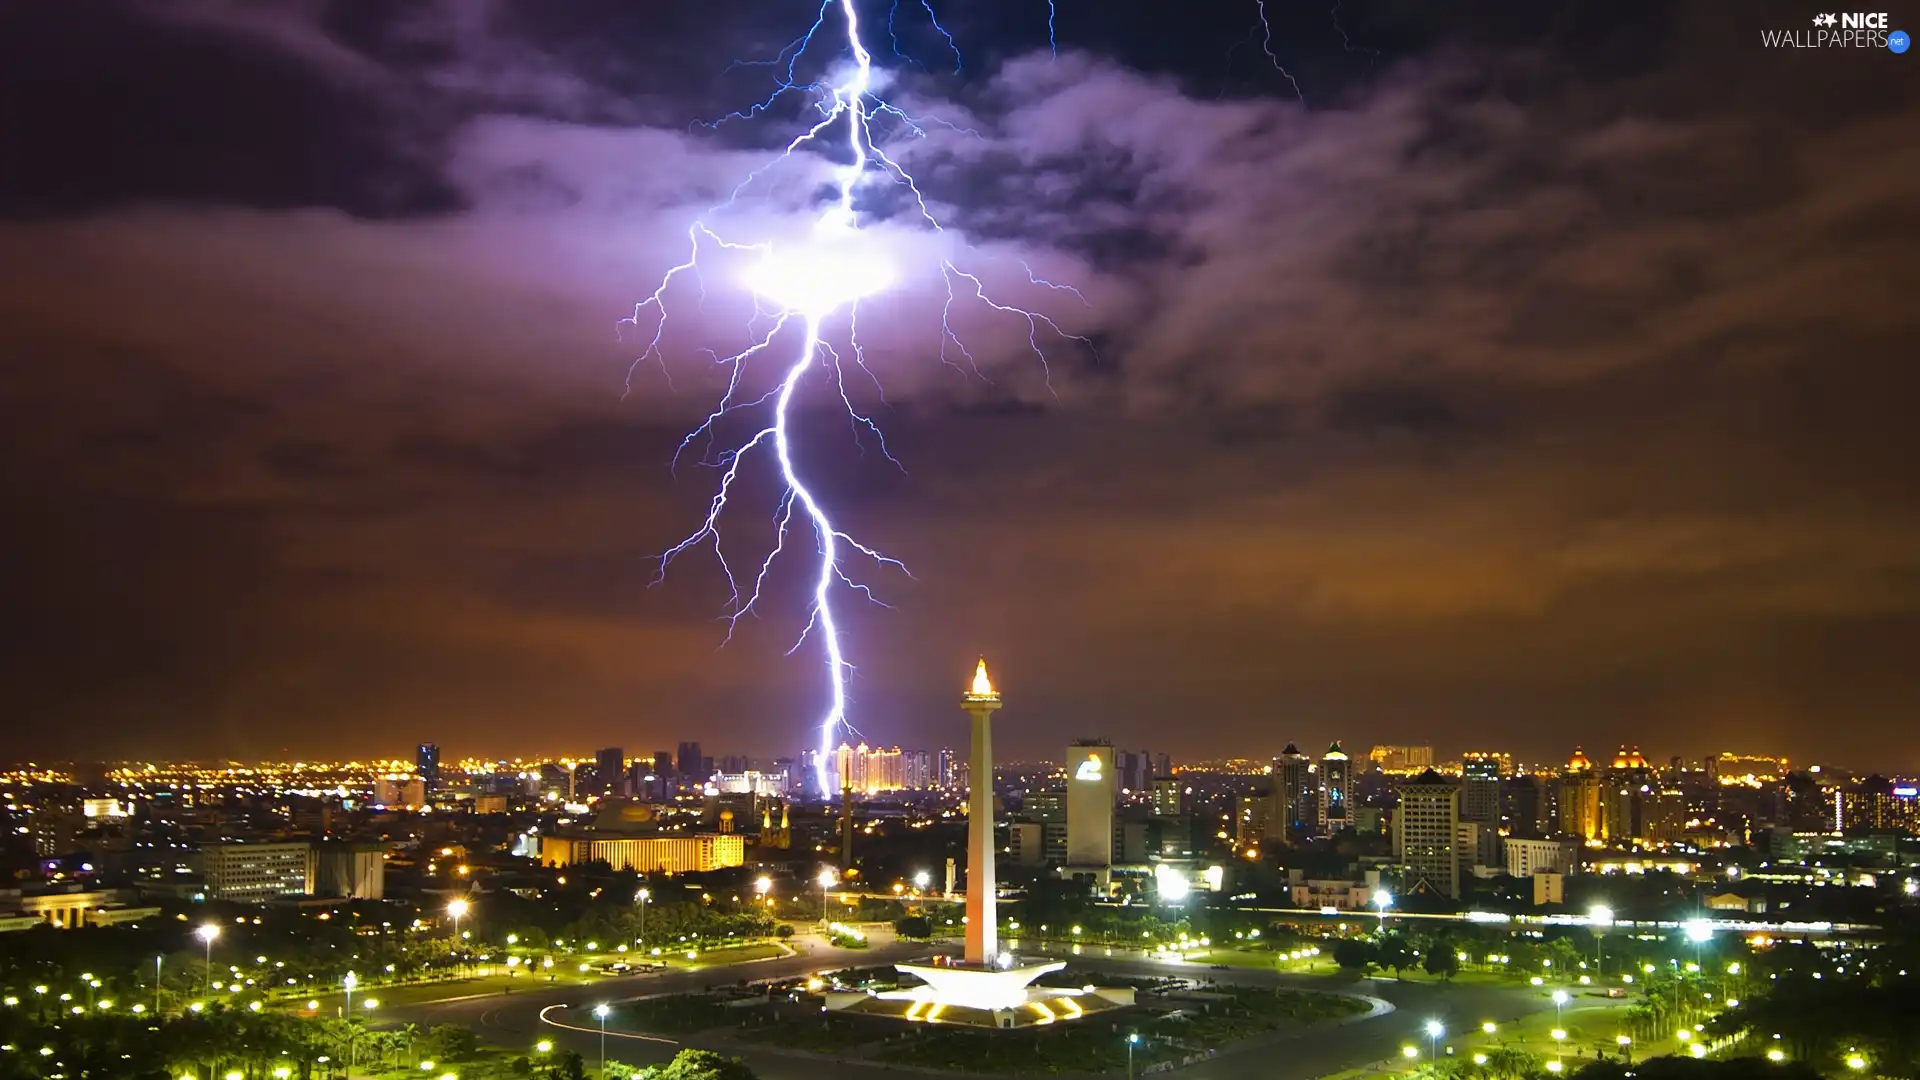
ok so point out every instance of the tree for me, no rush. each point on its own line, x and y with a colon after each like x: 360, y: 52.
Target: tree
x: 451, y: 1042
x: 568, y: 1066
x: 783, y: 931
x: 1352, y: 954
x: 1393, y: 952
x: 913, y: 926
x: 699, y: 1065
x: 1442, y: 961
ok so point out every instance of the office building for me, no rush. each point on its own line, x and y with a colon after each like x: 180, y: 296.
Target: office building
x: 1480, y: 803
x: 1527, y: 857
x: 350, y: 871
x: 397, y: 792
x: 1250, y: 821
x: 1336, y: 778
x: 1426, y: 832
x: 1091, y: 790
x: 610, y: 771
x: 426, y: 763
x: 688, y: 763
x: 1169, y: 797
x: 251, y: 873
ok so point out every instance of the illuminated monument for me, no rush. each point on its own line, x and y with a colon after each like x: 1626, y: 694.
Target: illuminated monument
x: 986, y: 987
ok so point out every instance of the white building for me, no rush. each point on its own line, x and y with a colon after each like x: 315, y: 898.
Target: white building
x: 256, y: 873
x: 1526, y: 858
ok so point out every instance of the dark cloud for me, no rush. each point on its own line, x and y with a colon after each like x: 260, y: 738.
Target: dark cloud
x: 1544, y: 366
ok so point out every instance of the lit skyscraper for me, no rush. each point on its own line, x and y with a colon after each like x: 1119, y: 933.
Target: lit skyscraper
x: 426, y: 763
x: 1336, y: 774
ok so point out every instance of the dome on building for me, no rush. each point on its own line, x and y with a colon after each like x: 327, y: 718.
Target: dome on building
x: 1578, y: 762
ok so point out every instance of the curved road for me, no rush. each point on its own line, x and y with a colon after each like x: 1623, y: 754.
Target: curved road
x: 564, y: 1015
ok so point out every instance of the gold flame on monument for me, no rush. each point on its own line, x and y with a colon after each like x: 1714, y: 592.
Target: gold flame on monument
x: 982, y: 686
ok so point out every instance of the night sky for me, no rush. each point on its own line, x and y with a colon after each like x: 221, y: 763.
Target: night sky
x: 1541, y: 378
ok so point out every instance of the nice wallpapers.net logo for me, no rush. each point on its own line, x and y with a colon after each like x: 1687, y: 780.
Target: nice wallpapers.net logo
x: 1842, y: 30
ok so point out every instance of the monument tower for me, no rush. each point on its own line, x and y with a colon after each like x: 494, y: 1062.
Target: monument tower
x: 980, y: 702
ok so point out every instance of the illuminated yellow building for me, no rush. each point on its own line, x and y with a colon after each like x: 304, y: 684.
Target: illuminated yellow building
x: 692, y: 854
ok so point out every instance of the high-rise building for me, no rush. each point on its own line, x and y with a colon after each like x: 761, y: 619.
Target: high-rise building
x: 610, y: 771
x: 426, y: 763
x: 1580, y: 799
x: 1628, y: 785
x: 1091, y: 790
x: 1296, y: 802
x: 1426, y: 832
x: 1480, y: 804
x: 1169, y: 797
x: 688, y: 762
x: 949, y: 769
x: 1336, y: 777
x: 1250, y: 825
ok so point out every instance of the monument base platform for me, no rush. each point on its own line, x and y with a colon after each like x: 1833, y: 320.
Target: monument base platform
x: 989, y: 997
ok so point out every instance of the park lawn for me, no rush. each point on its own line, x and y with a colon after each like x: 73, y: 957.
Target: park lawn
x: 423, y: 992
x: 730, y: 954
x: 1054, y: 1048
x: 824, y: 1034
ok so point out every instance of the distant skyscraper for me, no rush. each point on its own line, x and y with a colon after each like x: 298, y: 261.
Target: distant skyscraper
x: 610, y: 771
x: 662, y: 765
x: 689, y: 761
x: 1579, y: 799
x: 1296, y: 802
x: 949, y: 769
x: 426, y: 762
x: 1336, y: 774
x: 1426, y: 834
x: 1480, y: 804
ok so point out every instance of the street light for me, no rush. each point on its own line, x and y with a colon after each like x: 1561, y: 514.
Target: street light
x: 157, y: 961
x: 1435, y: 1029
x: 1626, y: 1046
x: 826, y: 880
x: 1488, y: 1027
x: 1559, y: 1002
x: 1856, y: 1062
x: 921, y: 880
x: 1382, y: 900
x: 641, y: 898
x: 544, y: 1046
x: 1600, y: 916
x: 207, y: 933
x: 346, y: 1014
x: 456, y: 909
x: 1133, y: 1037
x: 601, y: 1011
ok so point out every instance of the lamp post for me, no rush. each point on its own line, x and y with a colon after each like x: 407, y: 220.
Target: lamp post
x: 1559, y: 1003
x: 641, y: 898
x: 1382, y: 900
x: 349, y: 983
x: 601, y: 1011
x: 158, y: 959
x: 206, y: 934
x: 456, y: 908
x: 1600, y: 917
x: 826, y: 882
x: 1626, y: 1047
x: 1133, y: 1039
x: 1434, y: 1030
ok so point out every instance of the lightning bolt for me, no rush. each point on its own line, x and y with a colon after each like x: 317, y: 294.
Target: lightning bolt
x: 801, y: 299
x: 1266, y: 46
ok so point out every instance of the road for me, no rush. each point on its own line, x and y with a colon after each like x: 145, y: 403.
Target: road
x: 564, y: 1015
